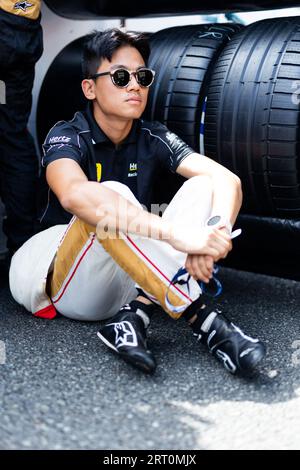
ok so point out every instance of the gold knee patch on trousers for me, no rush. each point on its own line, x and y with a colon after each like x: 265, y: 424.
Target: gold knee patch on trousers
x: 138, y: 270
x: 78, y: 233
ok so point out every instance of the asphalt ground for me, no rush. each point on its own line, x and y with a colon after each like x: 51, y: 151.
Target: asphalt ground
x: 60, y: 388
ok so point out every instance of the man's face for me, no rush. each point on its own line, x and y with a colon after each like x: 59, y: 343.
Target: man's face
x: 123, y: 103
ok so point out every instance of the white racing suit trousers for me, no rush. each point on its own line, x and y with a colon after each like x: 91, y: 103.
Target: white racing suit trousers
x: 90, y: 279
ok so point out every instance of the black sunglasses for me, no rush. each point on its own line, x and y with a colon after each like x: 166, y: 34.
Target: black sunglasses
x: 121, y: 77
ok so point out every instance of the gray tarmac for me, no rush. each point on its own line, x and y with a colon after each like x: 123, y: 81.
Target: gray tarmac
x: 60, y: 388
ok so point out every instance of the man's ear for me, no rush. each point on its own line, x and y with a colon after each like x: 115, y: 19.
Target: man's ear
x: 88, y: 88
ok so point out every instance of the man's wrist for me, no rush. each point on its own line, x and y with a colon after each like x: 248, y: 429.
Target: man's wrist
x: 219, y: 221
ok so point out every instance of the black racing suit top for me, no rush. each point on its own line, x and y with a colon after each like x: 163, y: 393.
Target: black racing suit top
x: 137, y: 162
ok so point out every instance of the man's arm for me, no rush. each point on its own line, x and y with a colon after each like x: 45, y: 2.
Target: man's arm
x: 98, y: 205
x: 227, y: 201
x: 92, y: 202
x: 227, y: 190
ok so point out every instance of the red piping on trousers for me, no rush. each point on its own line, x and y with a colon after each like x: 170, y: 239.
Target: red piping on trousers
x: 146, y: 257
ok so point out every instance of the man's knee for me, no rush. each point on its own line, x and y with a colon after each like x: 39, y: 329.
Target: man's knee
x: 198, y: 189
x: 120, y: 188
x: 199, y: 182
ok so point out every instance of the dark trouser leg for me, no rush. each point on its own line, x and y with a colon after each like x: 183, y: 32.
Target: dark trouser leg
x: 18, y: 158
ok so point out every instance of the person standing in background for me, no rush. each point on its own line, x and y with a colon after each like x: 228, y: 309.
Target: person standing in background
x: 21, y: 45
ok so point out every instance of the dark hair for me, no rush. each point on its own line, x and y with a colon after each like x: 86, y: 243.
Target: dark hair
x: 101, y: 45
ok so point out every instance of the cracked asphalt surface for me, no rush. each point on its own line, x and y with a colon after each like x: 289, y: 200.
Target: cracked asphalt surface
x: 61, y: 388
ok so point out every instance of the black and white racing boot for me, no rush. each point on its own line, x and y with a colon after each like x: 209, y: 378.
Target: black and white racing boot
x: 237, y: 351
x: 125, y: 333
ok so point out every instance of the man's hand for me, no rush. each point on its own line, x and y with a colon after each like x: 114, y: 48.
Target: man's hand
x: 200, y: 267
x: 215, y: 242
